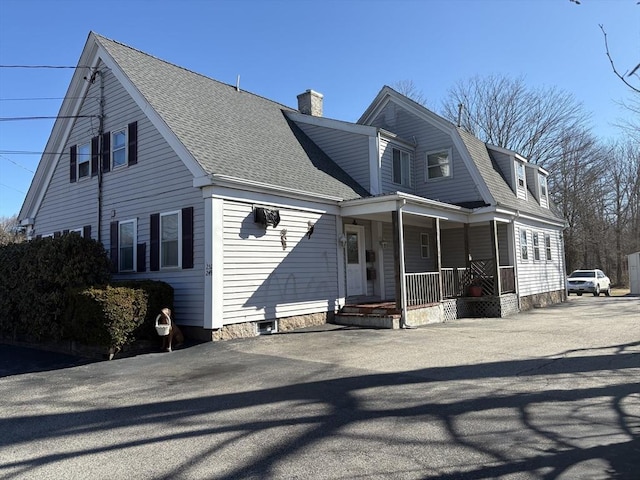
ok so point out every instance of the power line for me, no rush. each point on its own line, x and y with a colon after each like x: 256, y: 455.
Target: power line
x: 28, y: 152
x: 44, y: 66
x: 40, y: 99
x: 13, y: 119
x: 12, y: 188
x: 16, y: 163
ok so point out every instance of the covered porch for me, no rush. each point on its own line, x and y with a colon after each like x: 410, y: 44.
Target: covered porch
x: 426, y: 262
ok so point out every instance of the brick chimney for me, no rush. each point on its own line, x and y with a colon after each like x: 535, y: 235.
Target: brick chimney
x: 310, y: 103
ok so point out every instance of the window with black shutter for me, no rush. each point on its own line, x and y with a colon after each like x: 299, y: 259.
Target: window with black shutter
x: 133, y: 143
x: 73, y: 158
x: 95, y: 155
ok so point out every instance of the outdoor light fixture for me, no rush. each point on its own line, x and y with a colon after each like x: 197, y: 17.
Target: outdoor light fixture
x: 383, y: 243
x: 343, y: 240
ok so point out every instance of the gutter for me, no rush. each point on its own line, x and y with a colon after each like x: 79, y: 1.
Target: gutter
x: 220, y: 180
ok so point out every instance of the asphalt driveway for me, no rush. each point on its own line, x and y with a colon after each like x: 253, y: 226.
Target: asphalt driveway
x: 551, y: 393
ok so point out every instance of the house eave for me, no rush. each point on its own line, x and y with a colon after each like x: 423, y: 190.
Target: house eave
x: 513, y: 214
x: 219, y: 180
x: 411, y: 204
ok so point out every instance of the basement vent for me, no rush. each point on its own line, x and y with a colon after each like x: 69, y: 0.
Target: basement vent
x: 267, y: 328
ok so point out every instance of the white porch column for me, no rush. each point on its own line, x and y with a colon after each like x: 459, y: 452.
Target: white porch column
x: 214, y: 263
x: 436, y: 226
x: 493, y: 225
x: 403, y: 285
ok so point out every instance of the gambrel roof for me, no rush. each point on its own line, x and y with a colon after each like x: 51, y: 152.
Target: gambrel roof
x: 215, y: 128
x: 230, y: 131
x: 497, y: 184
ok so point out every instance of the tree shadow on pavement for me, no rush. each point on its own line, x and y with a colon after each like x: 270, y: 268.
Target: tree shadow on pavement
x: 546, y: 437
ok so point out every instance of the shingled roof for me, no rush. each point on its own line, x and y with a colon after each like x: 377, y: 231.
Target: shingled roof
x: 497, y: 184
x: 231, y: 132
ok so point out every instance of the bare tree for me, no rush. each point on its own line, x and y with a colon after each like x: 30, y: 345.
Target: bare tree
x: 409, y: 89
x: 505, y: 112
x: 10, y: 230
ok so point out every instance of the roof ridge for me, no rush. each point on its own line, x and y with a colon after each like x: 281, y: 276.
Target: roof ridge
x: 100, y: 37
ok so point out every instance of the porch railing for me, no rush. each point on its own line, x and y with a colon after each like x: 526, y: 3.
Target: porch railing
x: 455, y: 282
x: 422, y: 288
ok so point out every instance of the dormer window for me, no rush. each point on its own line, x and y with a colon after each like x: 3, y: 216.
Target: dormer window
x: 401, y: 167
x: 521, y: 174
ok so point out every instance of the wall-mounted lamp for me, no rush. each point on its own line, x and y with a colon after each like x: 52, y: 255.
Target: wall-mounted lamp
x: 383, y: 243
x: 343, y: 240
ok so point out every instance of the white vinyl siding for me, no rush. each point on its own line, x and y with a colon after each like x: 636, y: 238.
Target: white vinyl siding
x: 540, y: 276
x: 261, y: 280
x: 160, y: 182
x: 428, y: 138
x: 349, y: 150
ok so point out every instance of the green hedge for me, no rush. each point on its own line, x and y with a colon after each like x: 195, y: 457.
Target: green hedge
x: 159, y: 295
x: 54, y: 288
x: 106, y: 316
x: 35, y: 277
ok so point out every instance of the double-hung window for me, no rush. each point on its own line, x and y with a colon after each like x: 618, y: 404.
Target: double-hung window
x: 536, y: 247
x: 425, y: 249
x: 126, y: 246
x: 401, y: 167
x: 84, y: 160
x: 547, y: 246
x: 524, y: 247
x: 119, y: 148
x: 438, y: 164
x: 170, y: 240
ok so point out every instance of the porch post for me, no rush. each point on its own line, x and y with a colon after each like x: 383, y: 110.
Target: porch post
x: 436, y: 227
x: 493, y: 227
x: 467, y: 260
x: 398, y: 257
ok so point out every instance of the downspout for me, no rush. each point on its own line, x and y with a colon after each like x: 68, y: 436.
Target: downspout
x: 403, y: 286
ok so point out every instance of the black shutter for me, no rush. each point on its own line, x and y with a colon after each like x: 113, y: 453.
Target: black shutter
x: 141, y: 258
x: 106, y: 151
x: 154, y: 244
x: 113, y: 251
x: 73, y: 158
x: 95, y: 155
x: 187, y: 237
x: 133, y: 143
x: 86, y: 231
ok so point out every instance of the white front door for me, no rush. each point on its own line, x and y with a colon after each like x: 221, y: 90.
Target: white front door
x: 356, y: 265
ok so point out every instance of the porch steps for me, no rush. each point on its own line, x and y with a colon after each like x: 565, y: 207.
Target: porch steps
x: 369, y: 316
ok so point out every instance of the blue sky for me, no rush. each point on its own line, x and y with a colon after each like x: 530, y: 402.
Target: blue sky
x: 345, y: 49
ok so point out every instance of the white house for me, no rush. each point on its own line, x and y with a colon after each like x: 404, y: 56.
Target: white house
x: 263, y: 216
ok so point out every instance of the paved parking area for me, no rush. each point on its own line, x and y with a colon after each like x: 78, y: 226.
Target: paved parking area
x: 550, y: 393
